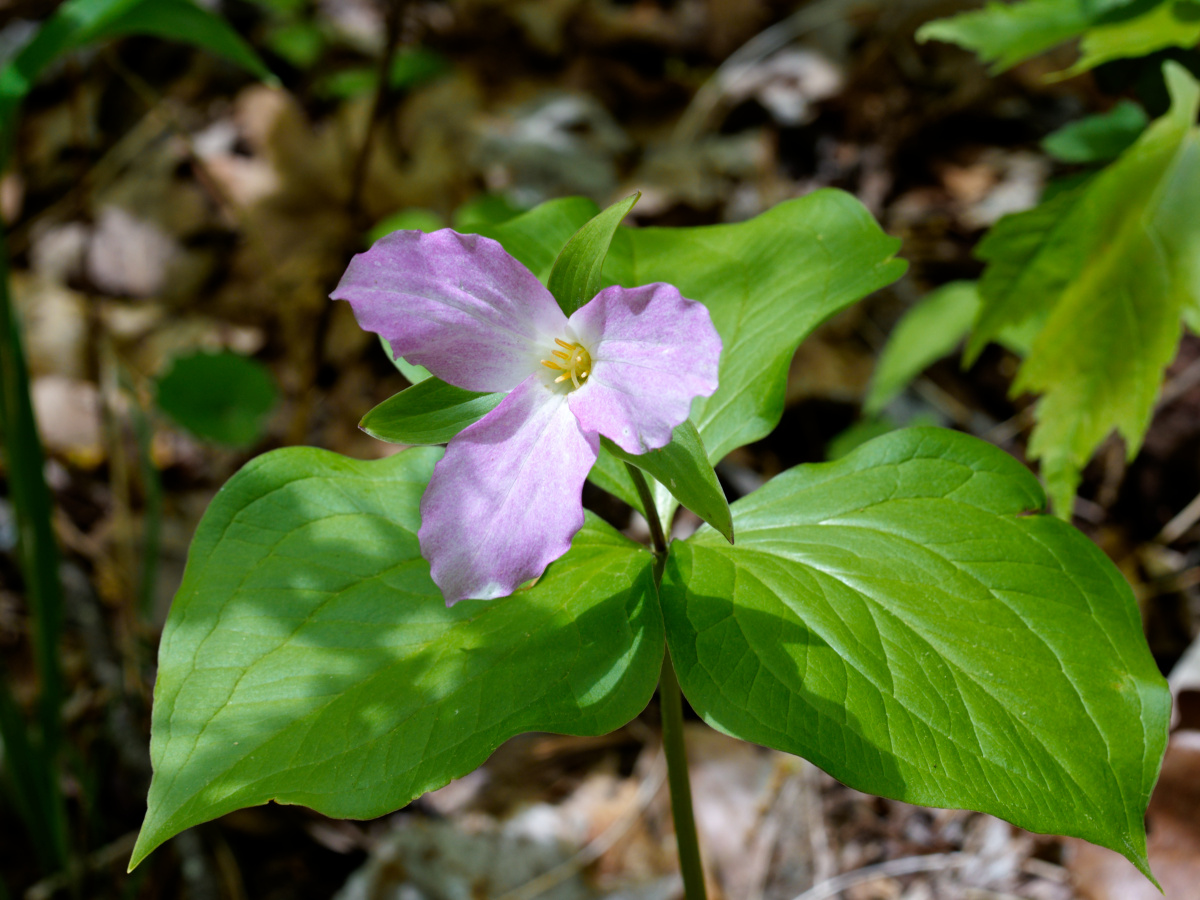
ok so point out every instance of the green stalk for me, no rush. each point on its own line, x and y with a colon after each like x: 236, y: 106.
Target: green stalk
x: 671, y: 704
x: 36, y: 547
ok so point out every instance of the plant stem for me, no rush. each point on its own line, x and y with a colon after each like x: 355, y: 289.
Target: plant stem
x: 657, y: 536
x: 671, y: 705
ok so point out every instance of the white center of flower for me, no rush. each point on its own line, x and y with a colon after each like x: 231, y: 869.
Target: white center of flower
x: 572, y: 361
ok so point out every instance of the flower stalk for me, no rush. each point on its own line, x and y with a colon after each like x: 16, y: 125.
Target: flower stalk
x: 671, y: 708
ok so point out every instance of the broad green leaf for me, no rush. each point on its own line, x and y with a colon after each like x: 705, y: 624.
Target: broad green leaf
x: 309, y: 659
x: 1169, y: 24
x: 1098, y: 138
x: 768, y: 283
x: 78, y: 22
x: 1004, y: 34
x: 222, y: 397
x: 575, y: 278
x: 926, y: 333
x: 1114, y: 265
x: 429, y: 412
x: 898, y: 619
x: 682, y: 467
x: 538, y: 236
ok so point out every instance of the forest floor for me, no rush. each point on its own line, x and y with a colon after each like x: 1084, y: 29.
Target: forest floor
x: 163, y: 203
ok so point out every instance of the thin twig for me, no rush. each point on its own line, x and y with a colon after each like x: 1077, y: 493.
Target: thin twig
x: 908, y: 865
x: 358, y: 174
x: 1181, y: 523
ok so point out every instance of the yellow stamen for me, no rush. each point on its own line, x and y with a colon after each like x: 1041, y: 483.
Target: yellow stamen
x: 576, y: 363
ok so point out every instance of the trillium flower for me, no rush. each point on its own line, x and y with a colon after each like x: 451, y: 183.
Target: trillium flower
x: 505, y: 500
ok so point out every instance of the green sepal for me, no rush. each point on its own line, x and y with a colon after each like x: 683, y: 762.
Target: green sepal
x: 429, y: 412
x: 682, y: 467
x: 576, y: 276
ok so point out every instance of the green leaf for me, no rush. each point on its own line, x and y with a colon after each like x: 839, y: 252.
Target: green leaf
x: 299, y: 43
x: 1004, y: 34
x: 1098, y: 138
x: 1019, y: 274
x: 183, y: 20
x: 1170, y: 24
x: 537, y: 237
x: 411, y: 219
x: 575, y: 278
x: 220, y: 397
x: 1113, y: 265
x: 768, y: 283
x: 308, y: 659
x: 416, y: 66
x: 430, y: 412
x: 1097, y: 8
x: 414, y: 374
x: 346, y: 84
x: 926, y: 333
x: 485, y: 210
x: 896, y: 618
x: 682, y: 467
x: 78, y: 22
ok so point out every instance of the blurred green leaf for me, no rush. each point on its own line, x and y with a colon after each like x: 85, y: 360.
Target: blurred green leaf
x: 412, y: 219
x: 898, y: 618
x: 309, y: 659
x: 300, y: 43
x: 1098, y: 138
x: 416, y: 66
x: 38, y: 557
x: 220, y: 397
x: 1114, y: 265
x: 1169, y: 24
x: 79, y: 22
x: 346, y: 84
x: 486, y: 210
x: 1004, y: 34
x: 926, y: 333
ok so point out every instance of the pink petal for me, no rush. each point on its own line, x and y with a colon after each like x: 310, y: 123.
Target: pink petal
x: 504, y: 502
x: 653, y: 351
x: 457, y: 304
